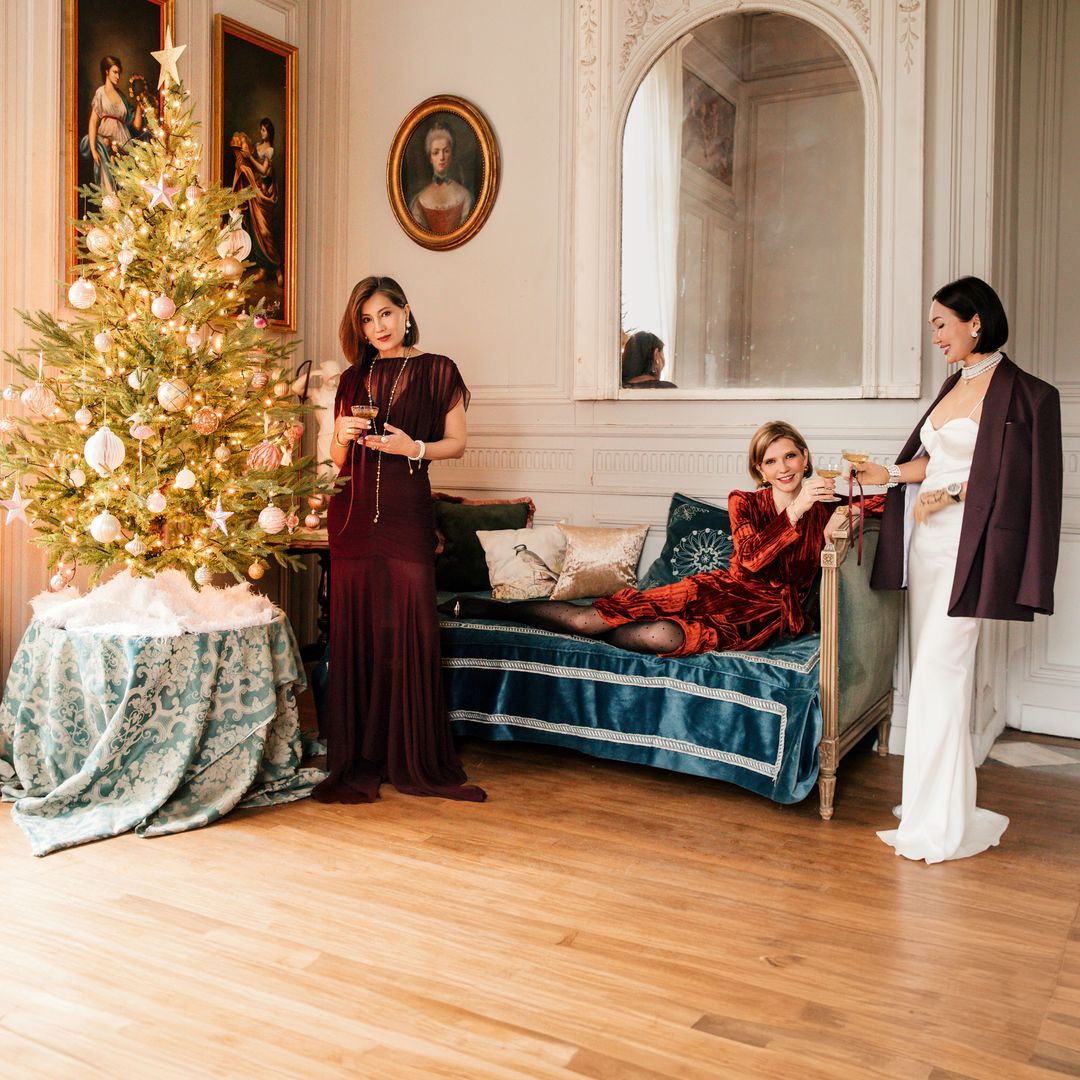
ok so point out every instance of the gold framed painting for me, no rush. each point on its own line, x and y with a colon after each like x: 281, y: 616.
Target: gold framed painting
x: 253, y: 145
x: 442, y: 175
x: 110, y: 79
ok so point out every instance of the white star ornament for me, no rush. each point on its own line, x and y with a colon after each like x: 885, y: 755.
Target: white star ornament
x: 218, y: 517
x: 167, y: 58
x: 16, y: 507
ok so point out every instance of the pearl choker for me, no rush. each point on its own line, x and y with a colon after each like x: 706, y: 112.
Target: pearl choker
x: 976, y: 370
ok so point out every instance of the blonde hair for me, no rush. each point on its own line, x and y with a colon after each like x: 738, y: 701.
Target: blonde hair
x: 764, y: 437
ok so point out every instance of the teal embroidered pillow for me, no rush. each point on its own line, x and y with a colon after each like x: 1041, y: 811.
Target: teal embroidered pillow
x: 698, y: 540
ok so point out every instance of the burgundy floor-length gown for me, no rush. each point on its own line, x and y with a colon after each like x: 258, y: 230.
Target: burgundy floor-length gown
x: 386, y: 713
x: 759, y: 596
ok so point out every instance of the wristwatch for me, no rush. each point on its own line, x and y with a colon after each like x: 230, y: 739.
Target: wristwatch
x: 953, y: 490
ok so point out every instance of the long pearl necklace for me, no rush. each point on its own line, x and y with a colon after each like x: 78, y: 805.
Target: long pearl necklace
x: 976, y: 370
x: 386, y: 420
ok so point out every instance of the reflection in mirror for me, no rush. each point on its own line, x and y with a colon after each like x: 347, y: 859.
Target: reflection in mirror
x: 742, y: 228
x: 643, y: 362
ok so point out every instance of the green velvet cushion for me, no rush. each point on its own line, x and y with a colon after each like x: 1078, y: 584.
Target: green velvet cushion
x: 461, y: 566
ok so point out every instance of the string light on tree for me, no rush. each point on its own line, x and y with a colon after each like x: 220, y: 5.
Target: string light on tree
x: 164, y: 337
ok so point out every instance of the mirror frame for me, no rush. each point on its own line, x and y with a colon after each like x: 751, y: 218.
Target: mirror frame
x: 617, y: 41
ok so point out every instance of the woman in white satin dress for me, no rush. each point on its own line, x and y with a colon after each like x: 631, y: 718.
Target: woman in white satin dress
x: 955, y: 554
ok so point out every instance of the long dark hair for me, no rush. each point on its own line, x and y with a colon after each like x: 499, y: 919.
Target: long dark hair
x: 267, y: 123
x: 971, y: 296
x: 354, y: 345
x: 637, y: 357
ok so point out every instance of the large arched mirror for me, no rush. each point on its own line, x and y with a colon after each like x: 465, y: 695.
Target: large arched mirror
x: 744, y: 235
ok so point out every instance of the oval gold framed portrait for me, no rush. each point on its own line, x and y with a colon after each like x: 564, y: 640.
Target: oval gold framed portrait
x: 443, y: 172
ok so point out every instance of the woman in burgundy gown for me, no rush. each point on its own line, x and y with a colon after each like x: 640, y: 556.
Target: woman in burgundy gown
x: 778, y: 532
x: 386, y: 714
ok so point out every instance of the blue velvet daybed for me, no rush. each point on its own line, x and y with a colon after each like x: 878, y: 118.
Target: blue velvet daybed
x: 774, y: 722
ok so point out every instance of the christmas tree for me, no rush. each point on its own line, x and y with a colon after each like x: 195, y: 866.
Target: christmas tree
x: 162, y: 428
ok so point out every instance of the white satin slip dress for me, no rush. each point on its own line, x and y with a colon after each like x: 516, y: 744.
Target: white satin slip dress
x: 939, y: 819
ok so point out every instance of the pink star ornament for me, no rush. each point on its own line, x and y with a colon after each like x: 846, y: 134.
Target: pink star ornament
x: 160, y: 192
x: 16, y: 507
x: 218, y: 517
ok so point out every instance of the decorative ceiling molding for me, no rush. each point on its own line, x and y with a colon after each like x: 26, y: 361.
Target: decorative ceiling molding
x: 639, y: 16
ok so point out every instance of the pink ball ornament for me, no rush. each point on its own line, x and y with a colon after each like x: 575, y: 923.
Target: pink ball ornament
x: 272, y: 520
x: 57, y: 582
x: 264, y: 456
x: 141, y: 431
x: 10, y: 393
x: 230, y: 269
x: 77, y: 477
x: 163, y: 307
x: 222, y: 453
x: 259, y: 379
x: 84, y: 417
x: 312, y: 521
x: 203, y: 576
x: 217, y: 342
x: 39, y: 399
x: 126, y: 256
x: 135, y: 547
x: 193, y: 193
x: 110, y: 203
x: 103, y: 341
x: 155, y: 502
x: 260, y: 322
x: 82, y: 294
x: 205, y: 421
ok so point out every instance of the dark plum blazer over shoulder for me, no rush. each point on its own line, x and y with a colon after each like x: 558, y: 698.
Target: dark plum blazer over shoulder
x: 1008, y: 553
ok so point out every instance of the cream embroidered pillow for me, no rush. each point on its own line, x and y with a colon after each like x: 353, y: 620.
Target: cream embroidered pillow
x: 598, y: 561
x: 523, y: 564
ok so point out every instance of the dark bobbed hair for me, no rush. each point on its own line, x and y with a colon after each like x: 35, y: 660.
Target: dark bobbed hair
x: 108, y: 61
x: 764, y: 437
x: 971, y: 296
x: 267, y: 123
x: 637, y: 357
x: 353, y: 343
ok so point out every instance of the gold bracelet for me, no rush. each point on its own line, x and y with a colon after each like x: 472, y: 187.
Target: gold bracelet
x: 339, y: 442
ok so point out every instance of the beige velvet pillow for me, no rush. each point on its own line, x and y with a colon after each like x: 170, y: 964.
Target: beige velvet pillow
x: 523, y: 564
x: 598, y: 561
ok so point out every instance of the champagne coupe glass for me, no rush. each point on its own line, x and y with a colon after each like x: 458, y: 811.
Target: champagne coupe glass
x: 828, y: 469
x: 856, y: 457
x: 365, y: 412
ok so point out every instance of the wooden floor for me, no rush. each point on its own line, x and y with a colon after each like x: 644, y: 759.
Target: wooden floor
x: 590, y: 920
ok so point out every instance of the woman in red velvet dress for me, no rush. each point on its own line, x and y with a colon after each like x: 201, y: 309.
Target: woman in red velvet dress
x: 778, y: 532
x: 386, y: 714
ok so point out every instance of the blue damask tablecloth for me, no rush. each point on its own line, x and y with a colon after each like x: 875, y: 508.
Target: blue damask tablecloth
x: 103, y: 733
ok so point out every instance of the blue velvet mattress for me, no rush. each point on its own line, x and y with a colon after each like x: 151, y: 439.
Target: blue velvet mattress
x: 753, y: 719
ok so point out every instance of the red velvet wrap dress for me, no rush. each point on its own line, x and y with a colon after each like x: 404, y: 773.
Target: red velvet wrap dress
x: 758, y: 597
x: 386, y: 717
